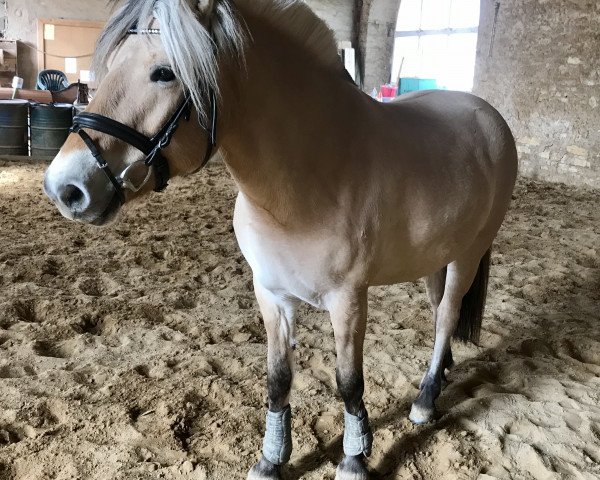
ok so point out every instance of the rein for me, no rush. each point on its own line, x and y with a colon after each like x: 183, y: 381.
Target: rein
x: 151, y: 147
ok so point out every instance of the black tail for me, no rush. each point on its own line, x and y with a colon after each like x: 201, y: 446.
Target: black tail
x: 473, y: 304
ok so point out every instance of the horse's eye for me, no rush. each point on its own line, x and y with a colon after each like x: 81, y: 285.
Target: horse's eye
x: 162, y: 74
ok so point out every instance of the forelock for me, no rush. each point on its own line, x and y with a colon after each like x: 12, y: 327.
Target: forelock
x: 192, y: 50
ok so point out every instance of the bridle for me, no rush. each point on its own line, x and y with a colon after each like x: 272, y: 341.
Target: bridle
x: 151, y: 147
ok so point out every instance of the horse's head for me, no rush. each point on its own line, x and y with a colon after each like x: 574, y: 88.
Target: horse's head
x: 157, y: 61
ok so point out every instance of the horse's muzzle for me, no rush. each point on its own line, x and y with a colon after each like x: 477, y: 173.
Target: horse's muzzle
x: 80, y: 190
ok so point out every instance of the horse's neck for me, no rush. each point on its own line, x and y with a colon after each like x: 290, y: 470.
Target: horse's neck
x: 287, y: 124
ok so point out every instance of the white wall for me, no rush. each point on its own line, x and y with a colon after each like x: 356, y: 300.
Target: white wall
x: 23, y: 18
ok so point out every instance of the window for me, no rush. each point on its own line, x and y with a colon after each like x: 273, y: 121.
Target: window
x: 437, y: 40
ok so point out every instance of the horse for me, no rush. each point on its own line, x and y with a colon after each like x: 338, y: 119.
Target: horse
x: 337, y: 192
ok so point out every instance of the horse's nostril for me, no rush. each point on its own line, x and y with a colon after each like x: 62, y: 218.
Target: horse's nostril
x: 72, y: 197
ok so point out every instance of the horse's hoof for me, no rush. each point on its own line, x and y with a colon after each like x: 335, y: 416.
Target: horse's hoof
x: 352, y: 468
x: 264, y: 470
x: 420, y: 415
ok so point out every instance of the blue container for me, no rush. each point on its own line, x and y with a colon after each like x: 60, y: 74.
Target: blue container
x: 416, y: 84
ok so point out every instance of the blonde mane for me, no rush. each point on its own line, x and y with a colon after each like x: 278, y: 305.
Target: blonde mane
x: 191, y: 49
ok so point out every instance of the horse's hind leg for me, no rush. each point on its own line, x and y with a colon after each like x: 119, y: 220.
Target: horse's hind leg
x: 463, y: 300
x: 278, y: 315
x: 435, y: 285
x: 348, y: 312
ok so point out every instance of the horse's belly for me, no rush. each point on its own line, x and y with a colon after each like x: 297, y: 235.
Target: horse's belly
x: 426, y: 244
x: 393, y: 265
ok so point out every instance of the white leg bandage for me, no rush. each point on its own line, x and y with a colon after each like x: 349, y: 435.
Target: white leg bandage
x: 358, y: 438
x: 277, y: 444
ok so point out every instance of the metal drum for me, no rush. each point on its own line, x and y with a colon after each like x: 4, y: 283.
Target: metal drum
x: 50, y: 126
x: 13, y: 127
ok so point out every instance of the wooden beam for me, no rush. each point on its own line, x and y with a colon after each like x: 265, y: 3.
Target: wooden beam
x: 359, y: 36
x: 40, y: 96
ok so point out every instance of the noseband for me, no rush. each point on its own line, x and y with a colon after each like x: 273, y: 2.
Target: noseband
x: 151, y: 147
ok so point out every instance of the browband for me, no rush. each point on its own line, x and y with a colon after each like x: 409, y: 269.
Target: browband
x: 143, y: 31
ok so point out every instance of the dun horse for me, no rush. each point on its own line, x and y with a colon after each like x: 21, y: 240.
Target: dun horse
x: 337, y: 192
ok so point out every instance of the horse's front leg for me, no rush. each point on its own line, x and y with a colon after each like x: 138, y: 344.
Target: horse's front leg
x: 278, y: 314
x: 349, y: 317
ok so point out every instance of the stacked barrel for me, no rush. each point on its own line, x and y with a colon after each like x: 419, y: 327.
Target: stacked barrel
x: 39, y: 129
x: 14, y: 134
x: 50, y: 126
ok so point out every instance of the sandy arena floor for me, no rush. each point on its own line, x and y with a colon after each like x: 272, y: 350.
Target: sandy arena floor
x: 137, y: 352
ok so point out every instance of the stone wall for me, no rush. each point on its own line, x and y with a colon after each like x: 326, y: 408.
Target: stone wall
x: 338, y: 15
x: 376, y: 36
x: 380, y: 26
x: 3, y: 18
x: 538, y: 62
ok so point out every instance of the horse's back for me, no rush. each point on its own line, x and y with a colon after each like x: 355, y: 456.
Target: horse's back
x: 463, y: 117
x: 457, y: 133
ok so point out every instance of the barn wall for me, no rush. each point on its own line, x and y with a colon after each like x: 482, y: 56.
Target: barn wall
x: 22, y: 25
x: 380, y: 26
x: 338, y: 14
x: 375, y: 32
x: 3, y: 18
x: 540, y: 66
